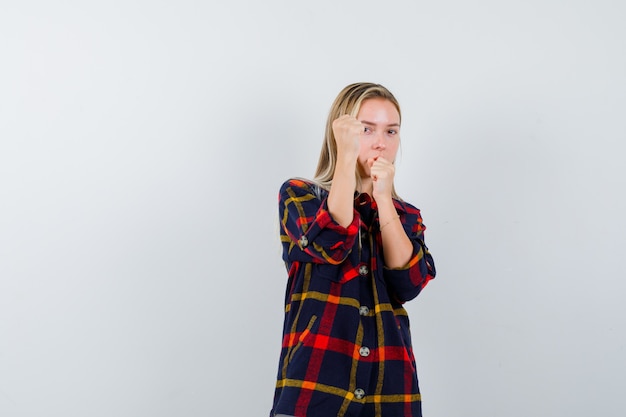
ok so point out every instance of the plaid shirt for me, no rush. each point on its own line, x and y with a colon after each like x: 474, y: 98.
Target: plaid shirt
x: 346, y: 347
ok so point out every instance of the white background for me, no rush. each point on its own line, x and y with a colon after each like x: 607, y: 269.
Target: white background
x: 143, y: 143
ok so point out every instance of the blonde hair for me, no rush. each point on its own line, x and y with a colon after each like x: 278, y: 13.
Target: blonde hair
x: 348, y: 101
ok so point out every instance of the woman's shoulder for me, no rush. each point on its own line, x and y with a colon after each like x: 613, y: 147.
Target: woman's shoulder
x: 297, y: 182
x: 406, y: 207
x: 303, y: 186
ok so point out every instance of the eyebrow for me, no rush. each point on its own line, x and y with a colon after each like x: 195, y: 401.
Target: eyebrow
x: 365, y: 122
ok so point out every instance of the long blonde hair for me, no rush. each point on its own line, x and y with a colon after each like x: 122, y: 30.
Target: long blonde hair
x: 348, y: 101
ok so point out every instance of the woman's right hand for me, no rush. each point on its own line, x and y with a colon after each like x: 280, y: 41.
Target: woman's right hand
x: 347, y: 130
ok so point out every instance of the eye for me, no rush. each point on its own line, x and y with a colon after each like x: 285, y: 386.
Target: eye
x: 367, y: 130
x: 392, y: 132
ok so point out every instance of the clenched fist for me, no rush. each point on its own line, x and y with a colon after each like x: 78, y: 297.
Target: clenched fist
x: 347, y: 130
x: 382, y: 172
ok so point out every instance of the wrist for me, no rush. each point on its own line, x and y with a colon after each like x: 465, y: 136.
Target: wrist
x: 345, y: 167
x: 346, y: 158
x: 383, y: 199
x: 395, y: 217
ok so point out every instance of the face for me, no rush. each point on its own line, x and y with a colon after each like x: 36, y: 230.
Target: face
x: 381, y: 135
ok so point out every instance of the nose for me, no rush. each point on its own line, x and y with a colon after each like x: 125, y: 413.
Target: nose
x: 379, y: 143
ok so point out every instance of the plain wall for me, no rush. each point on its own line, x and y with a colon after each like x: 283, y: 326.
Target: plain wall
x: 143, y: 143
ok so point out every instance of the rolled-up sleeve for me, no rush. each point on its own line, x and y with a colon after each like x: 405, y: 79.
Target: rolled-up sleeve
x: 407, y: 282
x: 308, y: 230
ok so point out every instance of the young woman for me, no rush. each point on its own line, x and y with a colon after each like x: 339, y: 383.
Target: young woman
x: 354, y: 253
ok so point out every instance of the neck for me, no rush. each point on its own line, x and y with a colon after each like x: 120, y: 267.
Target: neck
x: 366, y: 185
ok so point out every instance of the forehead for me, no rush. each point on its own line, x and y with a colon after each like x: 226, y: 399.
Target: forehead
x: 379, y: 110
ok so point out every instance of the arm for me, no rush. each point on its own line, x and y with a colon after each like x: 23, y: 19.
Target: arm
x: 397, y: 247
x: 308, y: 232
x: 407, y: 281
x: 408, y: 264
x: 347, y: 131
x: 318, y: 229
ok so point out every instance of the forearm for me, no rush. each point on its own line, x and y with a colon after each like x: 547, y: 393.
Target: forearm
x: 397, y: 247
x: 308, y: 232
x: 341, y: 194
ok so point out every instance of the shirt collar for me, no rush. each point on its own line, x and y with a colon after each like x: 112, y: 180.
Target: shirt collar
x: 365, y: 199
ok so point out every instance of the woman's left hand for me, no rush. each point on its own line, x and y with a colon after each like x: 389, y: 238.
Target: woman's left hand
x: 382, y: 172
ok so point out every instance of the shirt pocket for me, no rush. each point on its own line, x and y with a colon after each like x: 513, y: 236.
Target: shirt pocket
x: 304, y: 336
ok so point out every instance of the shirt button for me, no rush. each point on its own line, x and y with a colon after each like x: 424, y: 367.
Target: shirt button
x: 304, y: 242
x: 364, y: 311
x: 359, y: 394
x: 364, y: 351
x: 363, y: 270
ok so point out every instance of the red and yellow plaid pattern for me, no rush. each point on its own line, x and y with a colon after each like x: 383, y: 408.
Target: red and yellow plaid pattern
x: 346, y: 347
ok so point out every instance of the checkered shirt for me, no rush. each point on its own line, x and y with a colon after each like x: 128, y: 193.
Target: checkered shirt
x: 346, y: 348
